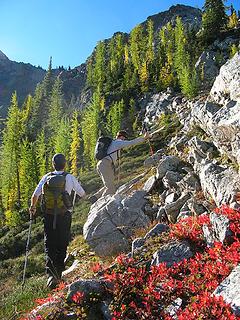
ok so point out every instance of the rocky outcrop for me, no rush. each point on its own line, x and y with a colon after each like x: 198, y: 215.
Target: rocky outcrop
x: 227, y: 85
x: 112, y: 221
x: 218, y: 181
x: 190, y: 16
x: 219, y: 115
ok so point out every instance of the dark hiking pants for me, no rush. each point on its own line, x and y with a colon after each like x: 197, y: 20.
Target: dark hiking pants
x: 56, y: 242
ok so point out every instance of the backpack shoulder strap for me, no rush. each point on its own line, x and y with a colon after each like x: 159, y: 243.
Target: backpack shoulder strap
x: 65, y: 173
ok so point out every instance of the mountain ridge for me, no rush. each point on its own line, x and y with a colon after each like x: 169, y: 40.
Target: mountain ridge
x: 23, y: 77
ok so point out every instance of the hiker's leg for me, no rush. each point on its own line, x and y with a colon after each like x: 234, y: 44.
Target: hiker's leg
x: 107, y: 175
x: 63, y: 230
x: 100, y: 167
x: 50, y: 242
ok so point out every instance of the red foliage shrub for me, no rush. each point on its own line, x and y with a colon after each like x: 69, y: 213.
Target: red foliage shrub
x: 145, y: 294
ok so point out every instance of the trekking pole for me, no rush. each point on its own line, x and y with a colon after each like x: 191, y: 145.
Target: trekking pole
x: 74, y: 200
x: 27, y: 250
x: 119, y: 167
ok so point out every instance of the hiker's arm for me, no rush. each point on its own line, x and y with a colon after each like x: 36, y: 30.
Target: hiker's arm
x: 34, y: 200
x: 128, y: 143
x: 37, y: 192
x: 78, y: 188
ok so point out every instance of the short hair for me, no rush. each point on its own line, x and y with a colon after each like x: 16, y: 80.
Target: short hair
x: 122, y: 133
x: 59, y: 161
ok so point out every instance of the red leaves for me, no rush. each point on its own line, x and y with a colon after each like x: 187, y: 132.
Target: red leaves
x: 207, y: 307
x: 190, y: 229
x: 143, y: 294
x: 78, y: 297
x: 42, y: 301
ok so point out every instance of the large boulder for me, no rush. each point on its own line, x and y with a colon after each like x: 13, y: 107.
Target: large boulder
x: 112, y: 221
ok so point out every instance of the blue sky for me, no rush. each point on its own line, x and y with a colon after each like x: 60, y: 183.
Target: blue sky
x: 33, y: 30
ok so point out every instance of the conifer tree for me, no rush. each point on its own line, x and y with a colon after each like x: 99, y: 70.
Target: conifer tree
x: 214, y: 19
x: 150, y: 40
x: 160, y: 59
x: 115, y: 117
x: 90, y: 128
x: 35, y: 120
x: 48, y: 79
x: 99, y: 66
x: 150, y: 55
x: 112, y: 56
x: 28, y: 172
x: 137, y: 46
x: 120, y: 52
x: 55, y: 108
x: 166, y: 77
x: 62, y: 141
x: 189, y: 81
x: 41, y: 104
x: 41, y: 154
x: 181, y: 56
x: 75, y: 144
x: 10, y: 157
x: 233, y: 20
x: 27, y: 110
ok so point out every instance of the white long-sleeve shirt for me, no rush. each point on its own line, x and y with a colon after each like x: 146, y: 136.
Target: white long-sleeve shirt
x: 119, y: 144
x: 71, y: 184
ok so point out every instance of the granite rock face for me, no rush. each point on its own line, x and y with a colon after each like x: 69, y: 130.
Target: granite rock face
x: 219, y: 116
x: 112, y: 221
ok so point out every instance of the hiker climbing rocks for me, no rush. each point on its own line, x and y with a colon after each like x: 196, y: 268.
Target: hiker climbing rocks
x: 108, y: 152
x: 56, y: 205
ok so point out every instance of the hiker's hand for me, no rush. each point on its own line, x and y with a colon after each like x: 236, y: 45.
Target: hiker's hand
x: 32, y: 210
x: 147, y: 136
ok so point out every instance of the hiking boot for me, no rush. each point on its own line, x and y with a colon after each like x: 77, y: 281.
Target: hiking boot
x: 52, y: 282
x: 92, y: 199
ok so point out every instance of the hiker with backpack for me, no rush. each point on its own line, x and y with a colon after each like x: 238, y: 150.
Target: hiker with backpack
x: 107, y: 152
x: 56, y: 205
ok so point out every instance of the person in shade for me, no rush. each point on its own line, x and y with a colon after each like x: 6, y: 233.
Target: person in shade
x: 106, y: 166
x: 56, y: 226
